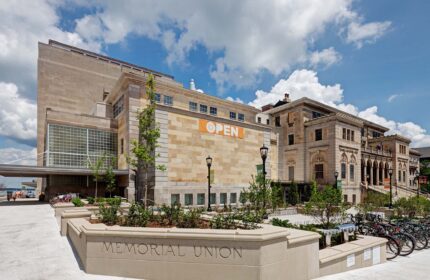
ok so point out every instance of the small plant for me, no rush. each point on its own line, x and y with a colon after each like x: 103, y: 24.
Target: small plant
x: 77, y: 202
x: 113, y: 201
x: 190, y: 219
x: 108, y: 214
x: 138, y: 216
x: 170, y: 214
x: 91, y: 200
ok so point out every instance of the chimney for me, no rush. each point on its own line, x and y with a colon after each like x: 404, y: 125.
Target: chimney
x: 266, y: 107
x: 192, y: 85
x: 287, y: 97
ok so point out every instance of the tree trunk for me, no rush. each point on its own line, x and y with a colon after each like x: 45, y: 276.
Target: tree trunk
x: 96, y: 190
x: 146, y: 189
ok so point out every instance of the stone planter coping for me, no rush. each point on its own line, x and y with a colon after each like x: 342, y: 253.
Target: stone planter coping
x: 298, y: 236
x: 62, y: 205
x: 266, y: 232
x: 340, y: 251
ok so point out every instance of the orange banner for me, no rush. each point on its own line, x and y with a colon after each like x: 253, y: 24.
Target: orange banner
x: 221, y: 129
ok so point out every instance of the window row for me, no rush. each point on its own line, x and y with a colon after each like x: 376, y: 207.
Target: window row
x: 343, y: 170
x: 402, y: 149
x: 194, y: 107
x: 201, y: 199
x: 167, y: 99
x: 259, y: 120
x: 348, y: 134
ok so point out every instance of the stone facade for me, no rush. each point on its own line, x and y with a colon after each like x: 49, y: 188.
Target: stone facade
x: 307, y: 140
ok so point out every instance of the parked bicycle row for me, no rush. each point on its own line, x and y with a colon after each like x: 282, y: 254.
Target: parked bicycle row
x: 403, y: 235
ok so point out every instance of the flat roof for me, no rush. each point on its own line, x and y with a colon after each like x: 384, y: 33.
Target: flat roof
x: 11, y: 170
x: 105, y: 58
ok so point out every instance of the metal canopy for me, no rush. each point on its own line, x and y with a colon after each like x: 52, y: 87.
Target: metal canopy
x: 9, y: 170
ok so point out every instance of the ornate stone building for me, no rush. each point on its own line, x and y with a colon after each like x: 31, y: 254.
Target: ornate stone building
x: 87, y: 106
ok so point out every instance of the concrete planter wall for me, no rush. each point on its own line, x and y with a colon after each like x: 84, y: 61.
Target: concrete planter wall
x: 172, y: 253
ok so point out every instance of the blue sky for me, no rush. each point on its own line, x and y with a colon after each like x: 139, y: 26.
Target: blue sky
x: 370, y: 58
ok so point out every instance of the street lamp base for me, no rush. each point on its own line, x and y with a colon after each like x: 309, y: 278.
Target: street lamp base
x: 209, y: 209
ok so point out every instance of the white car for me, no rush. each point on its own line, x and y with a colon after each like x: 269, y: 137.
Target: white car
x: 30, y: 194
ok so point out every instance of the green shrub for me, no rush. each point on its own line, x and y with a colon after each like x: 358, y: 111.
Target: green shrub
x: 113, y: 201
x: 108, y: 214
x: 170, y: 214
x: 77, y: 202
x: 91, y: 200
x: 190, y: 219
x: 138, y: 216
x: 100, y: 199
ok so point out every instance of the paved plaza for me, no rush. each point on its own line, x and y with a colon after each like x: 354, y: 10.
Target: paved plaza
x: 32, y: 248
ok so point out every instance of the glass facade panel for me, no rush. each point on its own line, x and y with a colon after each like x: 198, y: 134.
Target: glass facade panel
x: 118, y: 106
x: 70, y: 146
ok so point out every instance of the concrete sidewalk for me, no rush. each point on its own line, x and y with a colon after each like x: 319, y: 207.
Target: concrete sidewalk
x: 31, y: 246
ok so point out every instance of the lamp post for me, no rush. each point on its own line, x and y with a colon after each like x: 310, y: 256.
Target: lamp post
x: 336, y: 174
x: 390, y: 172
x: 263, y: 153
x: 417, y: 178
x: 209, y: 164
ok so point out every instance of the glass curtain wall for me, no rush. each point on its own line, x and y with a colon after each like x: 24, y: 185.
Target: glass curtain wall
x: 69, y: 146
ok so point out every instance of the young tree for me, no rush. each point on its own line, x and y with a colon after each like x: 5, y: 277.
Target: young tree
x: 143, y: 148
x: 325, y: 205
x: 257, y: 193
x: 96, y: 169
x: 293, y: 194
x: 110, y: 176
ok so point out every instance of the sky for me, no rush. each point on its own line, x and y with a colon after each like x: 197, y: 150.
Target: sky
x: 369, y: 58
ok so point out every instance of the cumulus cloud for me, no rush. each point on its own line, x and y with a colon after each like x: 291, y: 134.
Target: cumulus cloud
x: 237, y: 99
x: 17, y: 115
x: 325, y: 57
x: 305, y: 83
x: 360, y: 34
x: 22, y: 25
x: 252, y: 37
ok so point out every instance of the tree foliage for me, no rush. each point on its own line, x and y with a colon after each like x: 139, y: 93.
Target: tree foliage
x: 110, y: 176
x: 325, y: 205
x: 412, y: 206
x: 96, y: 170
x: 293, y: 194
x: 143, y: 149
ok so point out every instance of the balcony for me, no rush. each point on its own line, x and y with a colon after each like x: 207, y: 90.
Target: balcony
x: 373, y: 151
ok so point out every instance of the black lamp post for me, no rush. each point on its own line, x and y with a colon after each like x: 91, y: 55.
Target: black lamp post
x: 417, y: 178
x: 390, y: 172
x: 263, y: 153
x: 209, y: 164
x: 336, y: 174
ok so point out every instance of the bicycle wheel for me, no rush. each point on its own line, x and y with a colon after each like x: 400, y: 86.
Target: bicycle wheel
x: 406, y: 243
x: 392, y: 248
x: 422, y: 241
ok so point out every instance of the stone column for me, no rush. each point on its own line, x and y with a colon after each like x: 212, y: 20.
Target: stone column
x: 365, y: 172
x: 377, y: 173
x: 371, y: 172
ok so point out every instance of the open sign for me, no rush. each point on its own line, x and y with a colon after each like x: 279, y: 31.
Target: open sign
x: 220, y: 129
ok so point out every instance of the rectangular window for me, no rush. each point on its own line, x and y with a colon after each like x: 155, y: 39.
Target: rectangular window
x: 351, y: 172
x: 168, y: 100
x: 203, y: 109
x: 118, y: 106
x: 290, y: 139
x: 344, y: 133
x: 213, y: 111
x: 404, y: 176
x: 223, y: 198
x: 233, y: 198
x: 213, y: 198
x: 193, y: 106
x: 345, y: 198
x: 259, y: 120
x: 200, y: 199
x: 316, y: 115
x: 232, y: 115
x: 122, y: 146
x: 174, y: 198
x: 318, y: 134
x: 319, y: 171
x: 291, y: 173
x: 376, y: 134
x: 352, y: 135
x: 241, y: 117
x: 267, y: 121
x: 157, y: 98
x: 278, y: 121
x: 400, y: 176
x: 343, y: 170
x: 354, y: 199
x: 188, y: 199
x: 348, y: 134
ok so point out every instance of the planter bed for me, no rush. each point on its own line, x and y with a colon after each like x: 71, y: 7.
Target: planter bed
x: 177, y: 253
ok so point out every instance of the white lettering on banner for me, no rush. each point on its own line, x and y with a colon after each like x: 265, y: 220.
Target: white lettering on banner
x: 220, y: 129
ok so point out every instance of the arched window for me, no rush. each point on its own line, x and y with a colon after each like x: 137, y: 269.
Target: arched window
x: 343, y: 166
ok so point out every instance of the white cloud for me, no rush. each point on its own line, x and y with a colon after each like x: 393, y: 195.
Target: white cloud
x: 392, y: 97
x: 366, y: 33
x: 301, y: 83
x: 17, y: 114
x: 305, y: 83
x: 325, y: 57
x: 246, y: 37
x: 22, y: 25
x: 18, y: 156
x: 237, y: 99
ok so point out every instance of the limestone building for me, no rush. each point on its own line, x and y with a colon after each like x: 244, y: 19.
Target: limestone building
x: 87, y: 106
